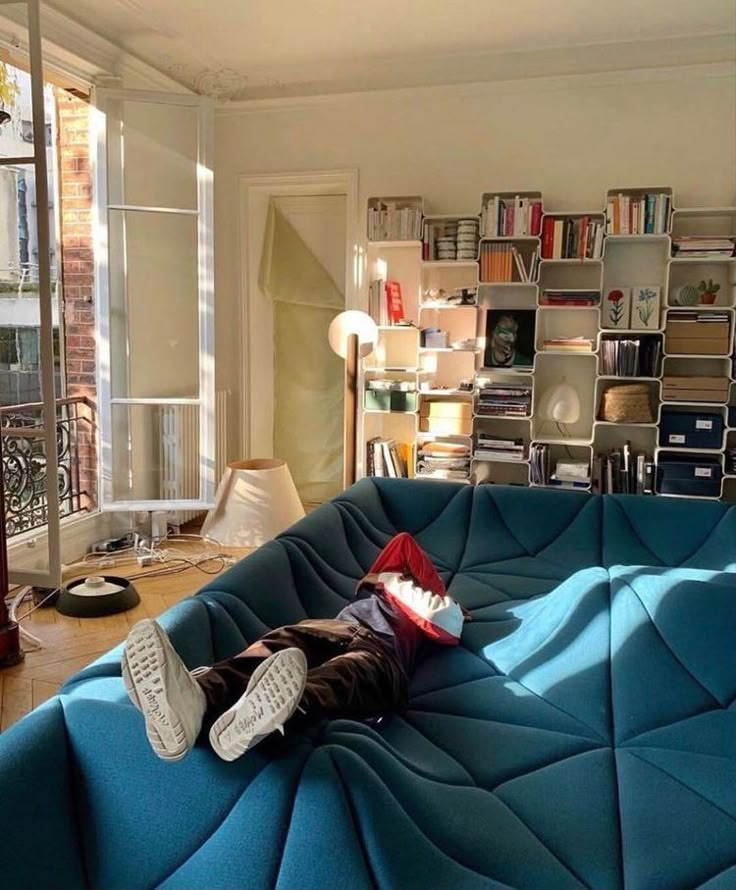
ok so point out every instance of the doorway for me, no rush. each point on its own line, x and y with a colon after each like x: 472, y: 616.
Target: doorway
x: 300, y: 266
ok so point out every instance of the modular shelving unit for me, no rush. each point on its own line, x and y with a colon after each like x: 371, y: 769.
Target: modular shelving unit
x: 626, y: 261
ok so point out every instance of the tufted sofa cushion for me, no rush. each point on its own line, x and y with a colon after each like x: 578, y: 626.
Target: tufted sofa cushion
x: 583, y: 735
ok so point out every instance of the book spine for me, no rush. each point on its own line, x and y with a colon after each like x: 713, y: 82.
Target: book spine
x: 557, y: 242
x: 651, y: 201
x: 548, y: 227
x: 536, y: 218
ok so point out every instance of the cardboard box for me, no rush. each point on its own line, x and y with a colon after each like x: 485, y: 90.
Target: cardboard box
x: 697, y: 338
x: 695, y: 389
x: 446, y: 426
x: 696, y: 346
x: 461, y: 410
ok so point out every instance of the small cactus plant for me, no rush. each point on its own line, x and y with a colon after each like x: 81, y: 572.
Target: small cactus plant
x: 708, y: 290
x: 688, y: 295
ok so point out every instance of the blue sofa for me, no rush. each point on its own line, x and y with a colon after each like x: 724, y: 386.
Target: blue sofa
x: 583, y: 736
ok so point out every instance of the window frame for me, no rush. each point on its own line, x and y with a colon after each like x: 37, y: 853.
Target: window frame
x: 107, y: 179
x: 51, y: 576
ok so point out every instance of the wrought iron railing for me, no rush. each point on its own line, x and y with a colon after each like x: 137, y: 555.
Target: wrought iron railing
x: 24, y: 461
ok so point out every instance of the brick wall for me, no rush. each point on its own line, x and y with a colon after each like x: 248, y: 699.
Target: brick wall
x: 77, y: 272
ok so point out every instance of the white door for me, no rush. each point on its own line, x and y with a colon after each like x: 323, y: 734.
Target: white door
x: 296, y: 405
x: 155, y: 300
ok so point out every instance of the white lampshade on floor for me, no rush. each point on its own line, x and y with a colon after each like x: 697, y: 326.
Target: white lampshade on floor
x: 255, y: 501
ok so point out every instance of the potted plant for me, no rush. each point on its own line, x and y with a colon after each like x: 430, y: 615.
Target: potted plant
x: 708, y: 290
x: 8, y: 93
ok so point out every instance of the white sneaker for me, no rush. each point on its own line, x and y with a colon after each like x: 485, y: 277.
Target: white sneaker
x: 160, y: 686
x: 272, y: 696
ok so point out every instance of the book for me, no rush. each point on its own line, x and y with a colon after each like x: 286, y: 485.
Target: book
x: 643, y: 214
x: 511, y: 216
x: 566, y: 238
x: 394, y: 303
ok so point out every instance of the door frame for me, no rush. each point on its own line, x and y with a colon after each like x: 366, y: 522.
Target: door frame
x: 319, y: 182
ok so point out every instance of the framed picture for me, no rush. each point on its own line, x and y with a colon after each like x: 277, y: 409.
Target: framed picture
x: 616, y: 308
x: 645, y: 307
x: 510, y: 338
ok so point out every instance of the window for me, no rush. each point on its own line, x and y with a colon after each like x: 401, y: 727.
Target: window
x: 155, y: 293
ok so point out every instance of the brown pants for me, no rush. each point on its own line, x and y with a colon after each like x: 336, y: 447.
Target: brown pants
x: 350, y: 672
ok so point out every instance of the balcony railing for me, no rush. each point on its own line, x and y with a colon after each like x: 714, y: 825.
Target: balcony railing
x: 24, y: 461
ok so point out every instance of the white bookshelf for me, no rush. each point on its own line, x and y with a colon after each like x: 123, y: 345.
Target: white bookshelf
x: 626, y: 261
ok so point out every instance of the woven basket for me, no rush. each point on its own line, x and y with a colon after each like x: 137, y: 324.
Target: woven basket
x: 628, y: 403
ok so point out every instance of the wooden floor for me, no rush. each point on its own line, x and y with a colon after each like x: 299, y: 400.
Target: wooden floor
x: 72, y: 643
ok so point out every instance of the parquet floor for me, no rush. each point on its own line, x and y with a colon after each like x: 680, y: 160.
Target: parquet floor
x: 72, y: 643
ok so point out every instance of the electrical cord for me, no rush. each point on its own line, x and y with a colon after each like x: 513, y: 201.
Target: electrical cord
x: 165, y: 562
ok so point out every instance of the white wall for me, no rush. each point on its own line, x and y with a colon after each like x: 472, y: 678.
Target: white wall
x: 570, y: 137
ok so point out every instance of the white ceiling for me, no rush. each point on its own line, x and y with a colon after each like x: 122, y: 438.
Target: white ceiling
x: 257, y: 48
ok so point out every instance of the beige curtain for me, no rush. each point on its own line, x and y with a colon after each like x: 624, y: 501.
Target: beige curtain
x: 308, y: 376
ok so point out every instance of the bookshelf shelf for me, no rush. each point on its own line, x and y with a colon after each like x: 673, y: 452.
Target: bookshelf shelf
x: 427, y: 266
x: 570, y: 442
x: 577, y: 261
x: 509, y: 238
x: 703, y: 261
x: 446, y: 349
x: 449, y: 264
x: 393, y: 244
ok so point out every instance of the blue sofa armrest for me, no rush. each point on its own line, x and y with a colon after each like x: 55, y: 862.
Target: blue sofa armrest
x: 38, y: 822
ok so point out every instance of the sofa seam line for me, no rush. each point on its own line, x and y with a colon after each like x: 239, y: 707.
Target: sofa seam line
x: 683, y: 785
x: 672, y: 652
x: 76, y: 810
x: 354, y: 822
x: 612, y: 730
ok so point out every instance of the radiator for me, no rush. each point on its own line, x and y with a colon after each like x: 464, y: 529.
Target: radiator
x: 180, y: 452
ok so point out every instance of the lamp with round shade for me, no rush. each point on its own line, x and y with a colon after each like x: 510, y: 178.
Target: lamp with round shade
x: 352, y: 334
x: 560, y: 404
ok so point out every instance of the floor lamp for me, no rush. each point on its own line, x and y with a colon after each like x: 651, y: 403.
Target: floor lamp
x: 352, y: 335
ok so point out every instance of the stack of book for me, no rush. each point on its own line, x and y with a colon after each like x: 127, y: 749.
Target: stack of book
x: 567, y: 344
x: 503, y: 262
x: 703, y: 247
x: 647, y: 214
x: 571, y: 238
x: 385, y: 304
x: 388, y: 222
x: 443, y: 460
x: 386, y: 457
x: 621, y: 471
x: 570, y: 297
x: 505, y: 400
x: 538, y: 464
x: 571, y: 474
x: 506, y: 217
x: 501, y: 448
x: 631, y: 357
x: 568, y: 473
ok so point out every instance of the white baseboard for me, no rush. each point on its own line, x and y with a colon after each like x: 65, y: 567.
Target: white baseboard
x: 78, y: 533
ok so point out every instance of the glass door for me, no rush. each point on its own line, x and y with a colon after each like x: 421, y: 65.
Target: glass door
x: 155, y: 300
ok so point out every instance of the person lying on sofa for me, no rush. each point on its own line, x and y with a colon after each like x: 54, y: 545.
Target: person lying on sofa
x: 355, y: 665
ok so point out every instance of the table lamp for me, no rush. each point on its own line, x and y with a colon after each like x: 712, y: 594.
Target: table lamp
x: 352, y: 335
x: 561, y: 405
